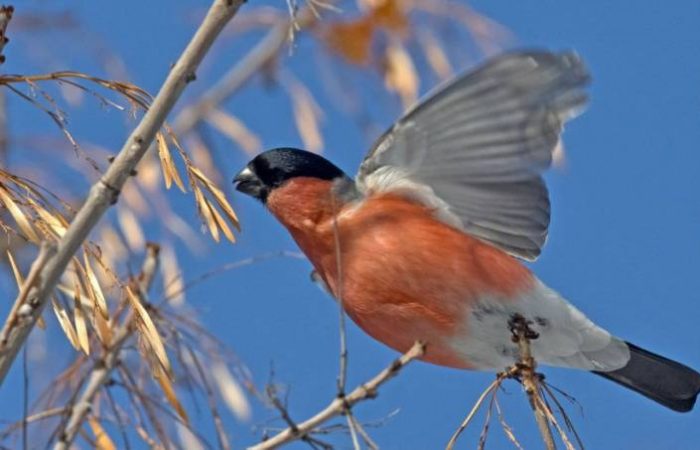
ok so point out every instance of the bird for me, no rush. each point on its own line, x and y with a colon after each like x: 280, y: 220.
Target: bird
x: 428, y: 241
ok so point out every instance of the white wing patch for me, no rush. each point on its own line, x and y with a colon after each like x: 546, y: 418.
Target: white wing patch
x: 393, y: 180
x: 567, y: 338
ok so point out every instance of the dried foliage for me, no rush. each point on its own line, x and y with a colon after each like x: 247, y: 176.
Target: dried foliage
x: 157, y: 334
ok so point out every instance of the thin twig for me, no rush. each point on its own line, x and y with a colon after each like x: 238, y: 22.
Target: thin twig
x: 505, y: 427
x: 365, y: 436
x: 342, y: 329
x: 467, y: 420
x: 363, y: 392
x: 218, y: 423
x: 30, y: 419
x: 138, y: 397
x: 487, y: 423
x: 343, y: 368
x: 117, y: 417
x: 567, y: 420
x: 105, y: 192
x: 543, y: 405
x: 188, y: 284
x: 352, y: 426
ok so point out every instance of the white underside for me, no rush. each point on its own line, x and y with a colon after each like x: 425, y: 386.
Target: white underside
x: 567, y: 338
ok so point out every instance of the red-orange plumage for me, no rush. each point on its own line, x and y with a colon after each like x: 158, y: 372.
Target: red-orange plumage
x: 406, y: 276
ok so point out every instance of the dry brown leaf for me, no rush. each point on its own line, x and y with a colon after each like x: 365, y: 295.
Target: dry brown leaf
x: 22, y: 221
x: 235, y: 130
x: 231, y: 391
x: 219, y: 197
x: 221, y: 223
x: 165, y: 159
x: 388, y: 14
x: 400, y: 75
x: 94, y: 290
x: 307, y: 116
x: 149, y: 331
x: 104, y: 329
x: 351, y: 40
x: 170, y: 172
x: 102, y: 439
x: 70, y: 292
x: 80, y: 325
x: 65, y: 323
x: 19, y: 279
x: 204, y: 210
x: 55, y: 221
x: 170, y: 394
x: 102, y: 325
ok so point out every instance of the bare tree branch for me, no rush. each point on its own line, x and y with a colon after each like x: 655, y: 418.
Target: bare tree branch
x: 339, y: 405
x: 105, y: 192
x: 80, y: 407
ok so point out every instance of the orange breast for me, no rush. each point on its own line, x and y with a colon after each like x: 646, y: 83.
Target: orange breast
x: 405, y: 276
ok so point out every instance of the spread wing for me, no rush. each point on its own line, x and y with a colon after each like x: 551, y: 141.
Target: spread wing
x: 476, y: 147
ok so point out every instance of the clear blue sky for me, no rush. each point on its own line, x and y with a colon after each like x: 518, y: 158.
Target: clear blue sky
x: 624, y: 243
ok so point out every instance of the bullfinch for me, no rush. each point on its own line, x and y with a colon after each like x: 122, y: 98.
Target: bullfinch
x: 426, y: 242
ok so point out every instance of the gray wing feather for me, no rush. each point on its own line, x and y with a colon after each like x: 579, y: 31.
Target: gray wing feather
x: 482, y: 141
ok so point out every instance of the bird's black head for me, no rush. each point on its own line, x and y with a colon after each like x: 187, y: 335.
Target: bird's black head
x: 272, y: 168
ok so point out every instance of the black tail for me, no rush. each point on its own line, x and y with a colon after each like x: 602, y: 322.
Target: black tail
x: 670, y: 383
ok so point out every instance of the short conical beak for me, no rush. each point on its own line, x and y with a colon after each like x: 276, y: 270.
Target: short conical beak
x: 248, y: 183
x: 244, y: 175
